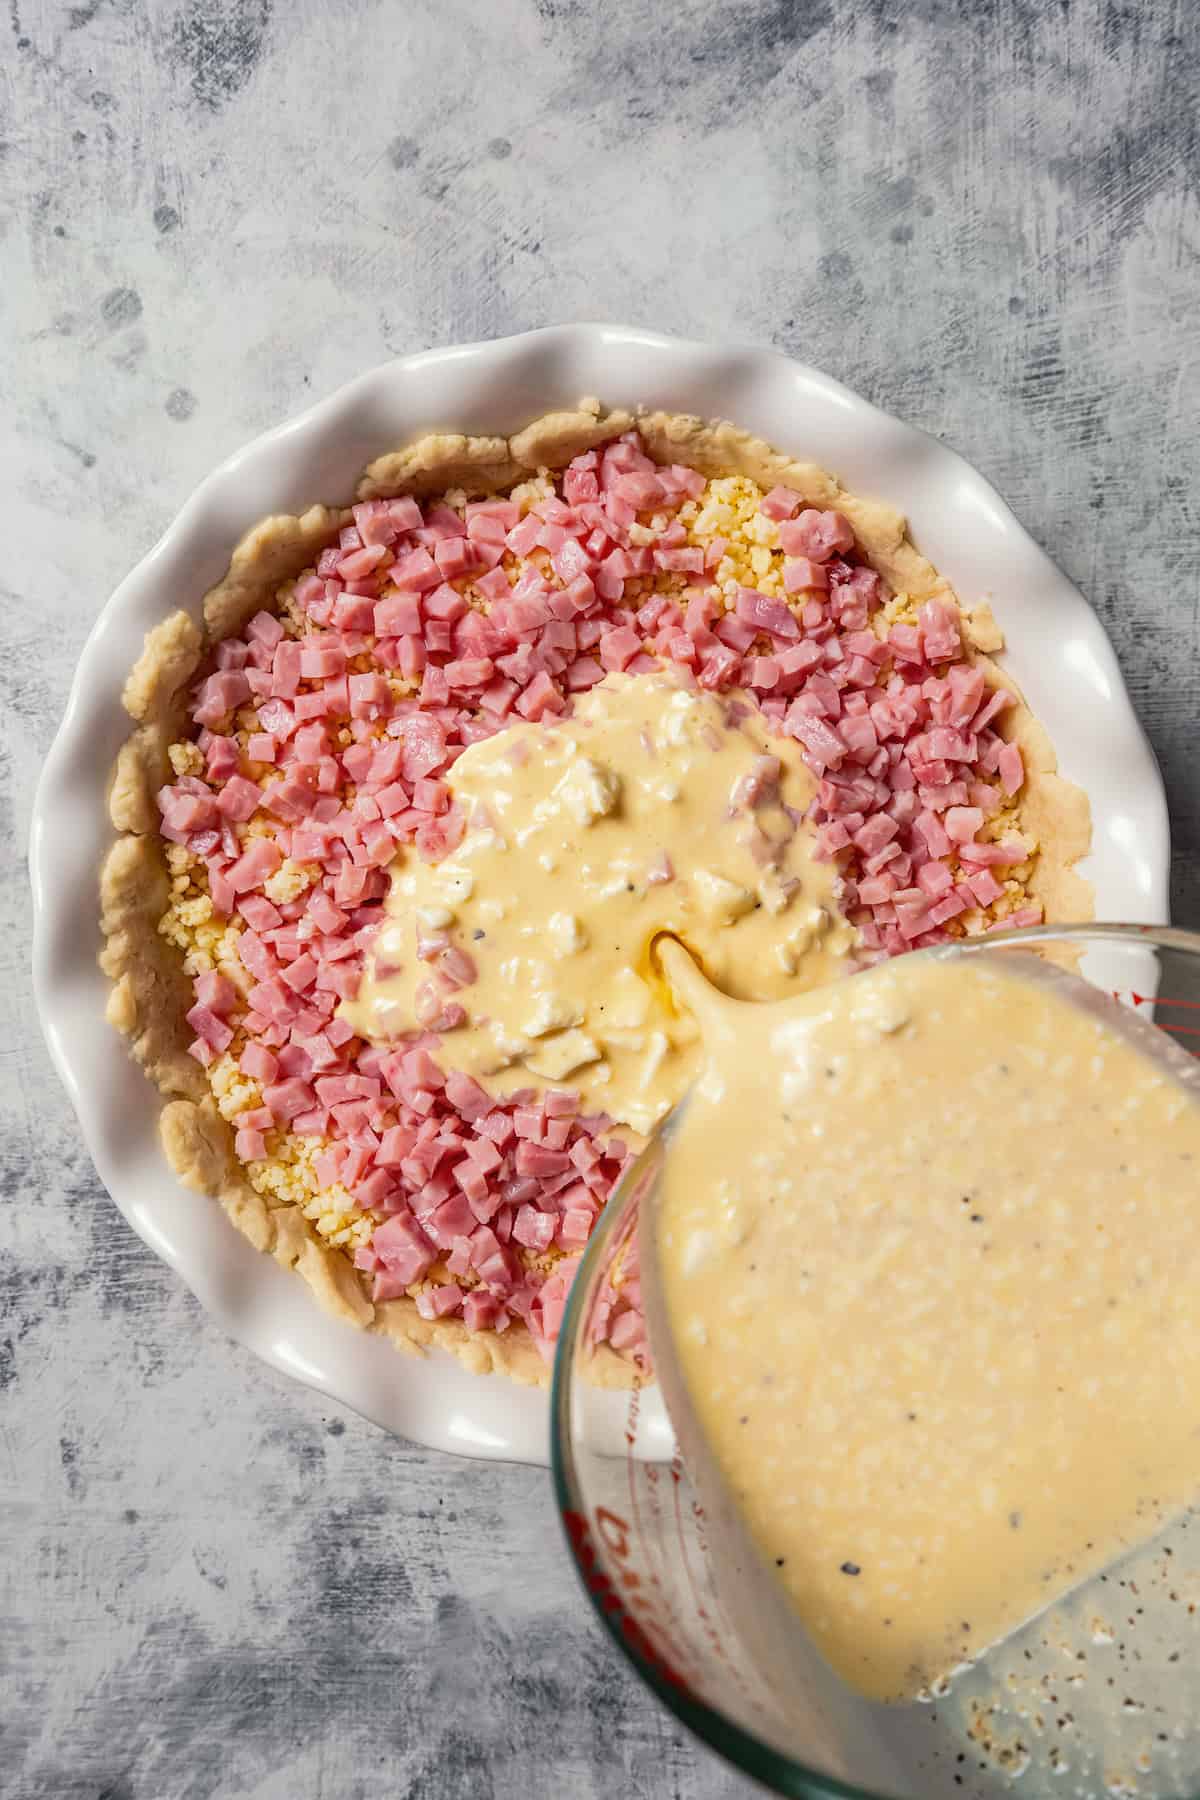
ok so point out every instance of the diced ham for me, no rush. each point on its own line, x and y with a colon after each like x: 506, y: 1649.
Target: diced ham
x: 320, y: 661
x: 779, y: 503
x: 683, y: 561
x: 210, y: 1028
x: 948, y: 907
x: 258, y: 1062
x: 370, y: 696
x: 962, y: 822
x: 766, y: 614
x: 437, y: 1302
x: 403, y: 1248
x: 219, y: 695
x: 997, y: 701
x: 466, y: 1096
x: 287, y: 1098
x: 536, y: 1230
x: 264, y: 628
x: 1002, y: 855
x: 415, y: 573
x: 397, y: 615
x: 540, y: 697
x: 185, y: 813
x: 453, y: 1218
x: 239, y: 798
x: 817, y: 535
x: 619, y: 647
x: 216, y: 991
x: 424, y: 740
x: 1011, y: 769
x: 933, y: 834
x: 482, y: 1311
x: 939, y: 629
x: 984, y: 886
x: 800, y: 572
x: 404, y: 514
x: 871, y: 837
x: 458, y: 556
x: 933, y: 878
x: 221, y: 757
x: 823, y: 746
x: 256, y: 865
x: 362, y: 562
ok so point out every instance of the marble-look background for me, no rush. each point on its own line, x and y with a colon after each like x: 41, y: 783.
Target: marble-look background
x: 986, y: 217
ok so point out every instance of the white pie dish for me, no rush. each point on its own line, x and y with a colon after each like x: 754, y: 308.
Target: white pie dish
x: 1057, y: 651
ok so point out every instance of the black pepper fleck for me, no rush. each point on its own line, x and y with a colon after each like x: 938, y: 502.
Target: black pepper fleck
x: 849, y: 1568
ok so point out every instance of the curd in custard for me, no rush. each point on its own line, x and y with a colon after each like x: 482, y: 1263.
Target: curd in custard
x: 927, y: 1246
x: 654, y: 808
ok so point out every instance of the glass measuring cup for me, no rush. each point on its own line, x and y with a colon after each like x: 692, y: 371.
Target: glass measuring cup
x: 1098, y: 1694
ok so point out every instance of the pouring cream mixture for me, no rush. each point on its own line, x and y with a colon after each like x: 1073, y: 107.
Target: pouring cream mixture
x: 926, y: 1246
x: 654, y: 808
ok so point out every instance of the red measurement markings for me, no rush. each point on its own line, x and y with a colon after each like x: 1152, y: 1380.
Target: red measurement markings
x: 652, y: 1539
x: 676, y: 1478
x: 1167, y: 1025
x: 631, y: 1431
x: 623, y: 1607
x: 716, y: 1631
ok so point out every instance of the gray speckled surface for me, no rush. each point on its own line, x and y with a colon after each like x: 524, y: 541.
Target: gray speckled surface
x: 211, y: 212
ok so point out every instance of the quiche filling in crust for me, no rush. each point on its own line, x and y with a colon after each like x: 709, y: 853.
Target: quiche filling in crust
x: 290, y: 793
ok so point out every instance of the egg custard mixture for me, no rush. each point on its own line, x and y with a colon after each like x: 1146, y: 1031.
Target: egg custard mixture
x: 654, y: 808
x: 925, y: 1247
x: 407, y: 802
